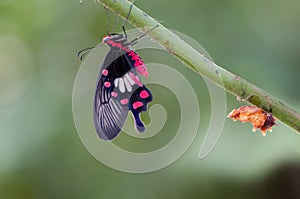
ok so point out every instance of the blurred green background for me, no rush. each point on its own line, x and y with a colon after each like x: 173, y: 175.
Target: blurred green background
x: 40, y: 152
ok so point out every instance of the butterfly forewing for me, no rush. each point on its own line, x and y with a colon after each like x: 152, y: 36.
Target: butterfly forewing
x: 109, y: 113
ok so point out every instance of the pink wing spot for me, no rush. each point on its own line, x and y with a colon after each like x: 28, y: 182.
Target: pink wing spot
x: 144, y: 94
x: 107, y: 84
x: 137, y: 104
x: 114, y: 94
x: 124, y: 101
x: 105, y: 72
x: 135, y: 79
x: 141, y: 69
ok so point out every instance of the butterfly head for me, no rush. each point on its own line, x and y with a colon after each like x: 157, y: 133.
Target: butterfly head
x: 106, y: 39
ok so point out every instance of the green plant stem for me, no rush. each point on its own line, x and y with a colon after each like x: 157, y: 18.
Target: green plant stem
x: 206, y: 68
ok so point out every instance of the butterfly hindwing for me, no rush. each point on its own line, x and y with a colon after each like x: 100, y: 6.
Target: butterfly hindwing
x: 138, y: 103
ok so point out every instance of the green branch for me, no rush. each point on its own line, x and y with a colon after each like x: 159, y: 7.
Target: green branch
x: 206, y: 68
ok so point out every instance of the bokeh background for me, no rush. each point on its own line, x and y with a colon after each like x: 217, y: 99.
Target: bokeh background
x: 41, y: 155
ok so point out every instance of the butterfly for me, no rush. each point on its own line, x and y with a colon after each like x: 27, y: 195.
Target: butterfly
x: 119, y: 88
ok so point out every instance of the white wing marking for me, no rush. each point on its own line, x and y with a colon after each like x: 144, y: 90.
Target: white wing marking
x: 127, y: 84
x: 129, y: 79
x: 116, y: 82
x: 121, y: 85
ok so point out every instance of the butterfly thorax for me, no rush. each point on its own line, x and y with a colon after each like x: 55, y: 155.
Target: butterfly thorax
x: 117, y: 42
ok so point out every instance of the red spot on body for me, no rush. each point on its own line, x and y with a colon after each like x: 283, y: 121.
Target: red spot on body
x: 144, y: 94
x: 110, y: 42
x: 105, y: 72
x: 124, y: 101
x: 118, y: 45
x: 138, y: 63
x: 107, y: 84
x: 136, y: 58
x: 114, y: 94
x: 131, y: 53
x: 141, y: 69
x: 137, y: 104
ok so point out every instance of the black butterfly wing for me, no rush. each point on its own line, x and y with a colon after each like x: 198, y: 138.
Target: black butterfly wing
x: 109, y: 113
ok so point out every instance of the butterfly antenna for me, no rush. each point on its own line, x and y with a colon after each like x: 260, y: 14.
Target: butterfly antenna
x: 107, y: 21
x: 83, y: 52
x: 115, y: 24
x: 135, y: 40
x: 123, y: 26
